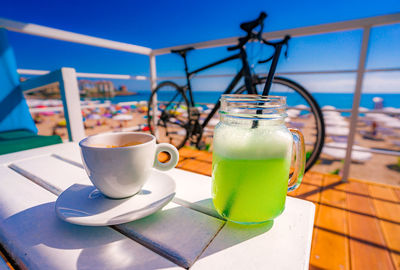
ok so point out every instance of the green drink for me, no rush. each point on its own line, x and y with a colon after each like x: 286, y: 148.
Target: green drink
x: 250, y: 191
x: 250, y: 172
x: 251, y: 162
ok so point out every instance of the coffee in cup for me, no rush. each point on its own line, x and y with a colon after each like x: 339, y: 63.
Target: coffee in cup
x: 119, y: 164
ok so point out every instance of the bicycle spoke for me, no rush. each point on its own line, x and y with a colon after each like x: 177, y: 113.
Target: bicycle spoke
x: 173, y: 114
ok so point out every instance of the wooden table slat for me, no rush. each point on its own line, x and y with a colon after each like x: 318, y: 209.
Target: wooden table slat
x: 34, y: 236
x: 224, y: 252
x: 182, y: 243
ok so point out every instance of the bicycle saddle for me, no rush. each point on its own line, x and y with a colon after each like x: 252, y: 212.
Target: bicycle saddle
x: 183, y: 51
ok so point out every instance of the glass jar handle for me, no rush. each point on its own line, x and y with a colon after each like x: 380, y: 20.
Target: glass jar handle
x: 300, y: 161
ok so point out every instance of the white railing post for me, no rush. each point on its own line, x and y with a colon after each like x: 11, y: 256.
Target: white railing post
x: 356, y: 101
x: 153, y: 85
x: 72, y: 106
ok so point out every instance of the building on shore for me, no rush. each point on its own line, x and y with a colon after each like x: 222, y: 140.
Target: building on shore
x: 90, y: 88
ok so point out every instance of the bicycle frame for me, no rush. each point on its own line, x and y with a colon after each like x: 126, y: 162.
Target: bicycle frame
x: 244, y: 72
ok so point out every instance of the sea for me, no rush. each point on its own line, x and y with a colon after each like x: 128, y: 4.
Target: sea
x: 338, y: 100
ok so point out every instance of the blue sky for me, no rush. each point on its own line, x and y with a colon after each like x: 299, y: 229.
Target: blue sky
x: 158, y: 24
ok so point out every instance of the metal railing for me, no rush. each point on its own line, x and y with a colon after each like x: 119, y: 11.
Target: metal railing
x: 362, y: 24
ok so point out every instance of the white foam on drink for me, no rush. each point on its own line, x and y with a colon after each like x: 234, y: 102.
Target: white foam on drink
x: 263, y: 142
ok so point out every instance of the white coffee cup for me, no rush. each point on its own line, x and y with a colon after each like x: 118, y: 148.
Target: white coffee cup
x: 121, y: 172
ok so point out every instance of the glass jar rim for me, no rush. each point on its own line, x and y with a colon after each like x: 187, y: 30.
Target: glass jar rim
x: 252, y: 97
x: 253, y: 106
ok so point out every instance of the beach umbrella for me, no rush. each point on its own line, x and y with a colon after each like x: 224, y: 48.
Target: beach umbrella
x: 94, y: 116
x: 293, y: 113
x: 303, y: 110
x: 123, y: 117
x: 33, y: 102
x: 199, y: 108
x: 328, y: 107
x: 331, y: 113
x: 294, y: 124
x: 336, y: 123
x: 394, y: 124
x: 337, y: 131
x: 143, y: 109
x: 332, y: 150
x: 107, y: 115
x: 334, y: 117
x: 302, y: 107
x: 62, y: 123
x: 213, y: 122
x: 145, y: 128
x: 47, y: 113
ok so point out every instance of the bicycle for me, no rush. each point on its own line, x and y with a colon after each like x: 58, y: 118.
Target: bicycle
x: 179, y: 119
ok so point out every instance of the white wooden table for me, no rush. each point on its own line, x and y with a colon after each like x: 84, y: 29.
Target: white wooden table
x: 186, y: 233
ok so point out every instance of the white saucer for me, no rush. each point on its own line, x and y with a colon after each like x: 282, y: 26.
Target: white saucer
x: 85, y: 205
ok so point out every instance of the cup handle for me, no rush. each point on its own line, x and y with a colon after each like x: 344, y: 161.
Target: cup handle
x: 300, y: 161
x: 173, y: 153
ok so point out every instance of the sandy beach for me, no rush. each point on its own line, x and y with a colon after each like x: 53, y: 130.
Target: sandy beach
x: 378, y: 168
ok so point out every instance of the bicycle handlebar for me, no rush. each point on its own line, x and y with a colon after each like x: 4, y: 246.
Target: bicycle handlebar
x: 281, y: 43
x: 249, y: 27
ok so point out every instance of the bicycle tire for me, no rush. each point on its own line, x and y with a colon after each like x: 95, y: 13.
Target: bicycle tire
x: 316, y: 144
x: 173, y: 117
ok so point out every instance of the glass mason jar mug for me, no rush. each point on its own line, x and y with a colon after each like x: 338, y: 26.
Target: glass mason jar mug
x: 252, y: 158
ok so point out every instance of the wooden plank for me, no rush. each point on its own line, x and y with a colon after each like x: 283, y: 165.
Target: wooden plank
x: 196, y: 166
x: 386, y: 203
x: 180, y: 242
x: 310, y: 187
x: 59, y: 174
x: 37, y: 239
x: 367, y: 245
x: 195, y: 161
x: 331, y: 229
x: 374, y: 183
x: 281, y: 244
x: 62, y: 148
x: 387, y: 207
x: 176, y: 232
x: 397, y: 191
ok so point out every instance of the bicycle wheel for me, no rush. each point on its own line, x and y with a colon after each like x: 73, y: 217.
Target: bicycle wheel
x: 172, y: 114
x: 303, y: 112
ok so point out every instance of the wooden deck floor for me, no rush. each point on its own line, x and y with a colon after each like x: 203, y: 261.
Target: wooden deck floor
x: 357, y: 224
